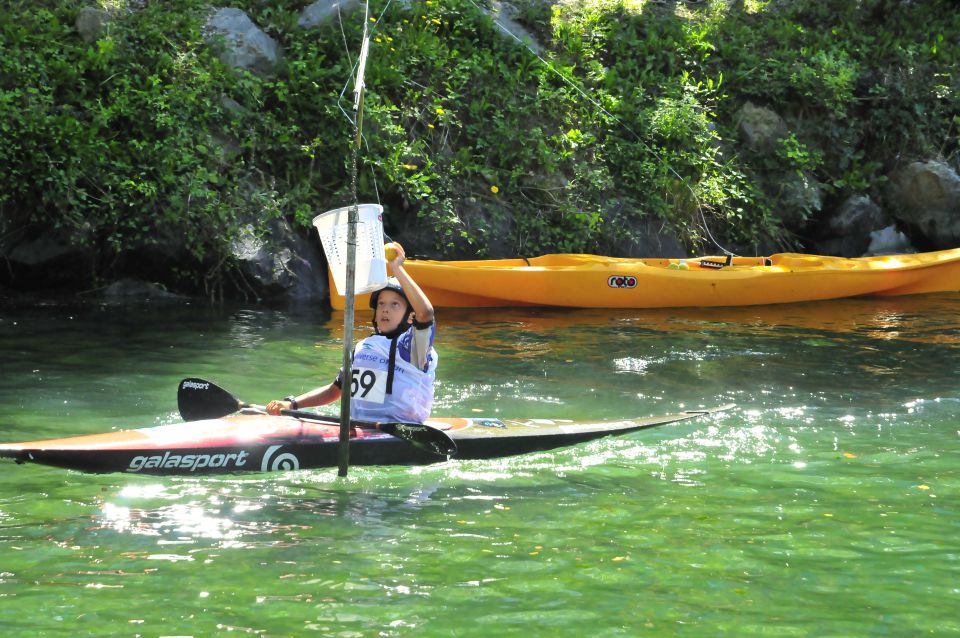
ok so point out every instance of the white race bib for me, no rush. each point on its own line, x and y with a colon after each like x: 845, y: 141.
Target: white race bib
x: 369, y: 385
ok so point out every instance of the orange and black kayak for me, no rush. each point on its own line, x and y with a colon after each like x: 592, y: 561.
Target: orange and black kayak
x: 265, y: 443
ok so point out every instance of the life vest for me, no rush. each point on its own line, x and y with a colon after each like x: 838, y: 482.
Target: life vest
x: 386, y: 386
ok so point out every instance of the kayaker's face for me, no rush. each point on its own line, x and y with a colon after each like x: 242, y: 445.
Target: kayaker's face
x: 391, y: 310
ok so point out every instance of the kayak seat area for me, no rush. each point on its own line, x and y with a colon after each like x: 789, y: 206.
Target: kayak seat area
x: 796, y: 261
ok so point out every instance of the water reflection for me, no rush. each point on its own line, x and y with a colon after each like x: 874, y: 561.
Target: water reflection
x: 278, y: 511
x: 377, y: 504
x: 920, y: 318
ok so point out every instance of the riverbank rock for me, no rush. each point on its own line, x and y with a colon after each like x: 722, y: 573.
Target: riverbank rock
x: 926, y: 196
x: 799, y: 198
x: 504, y: 14
x: 759, y: 126
x: 127, y: 289
x: 322, y: 11
x: 849, y: 230
x: 798, y: 195
x: 48, y: 260
x: 240, y: 43
x: 91, y: 22
x: 888, y: 241
x: 647, y: 239
x: 280, y: 264
x: 45, y: 248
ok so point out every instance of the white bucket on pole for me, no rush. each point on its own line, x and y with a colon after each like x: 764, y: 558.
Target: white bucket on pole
x: 371, y: 260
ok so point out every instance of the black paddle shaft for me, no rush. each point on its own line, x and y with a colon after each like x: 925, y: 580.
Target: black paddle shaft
x: 418, y: 434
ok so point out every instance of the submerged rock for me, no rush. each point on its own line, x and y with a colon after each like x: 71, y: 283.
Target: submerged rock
x: 128, y: 289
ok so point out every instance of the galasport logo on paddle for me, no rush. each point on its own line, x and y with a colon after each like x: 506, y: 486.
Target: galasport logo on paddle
x: 622, y: 281
x: 189, y: 462
x: 195, y: 385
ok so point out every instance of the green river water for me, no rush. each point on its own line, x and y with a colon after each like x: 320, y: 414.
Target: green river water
x: 826, y: 504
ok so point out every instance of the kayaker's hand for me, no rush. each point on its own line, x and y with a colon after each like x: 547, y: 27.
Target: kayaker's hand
x: 274, y: 407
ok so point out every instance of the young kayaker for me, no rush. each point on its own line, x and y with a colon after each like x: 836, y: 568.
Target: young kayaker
x: 394, y: 369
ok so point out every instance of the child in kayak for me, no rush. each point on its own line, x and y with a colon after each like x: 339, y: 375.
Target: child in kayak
x: 393, y: 369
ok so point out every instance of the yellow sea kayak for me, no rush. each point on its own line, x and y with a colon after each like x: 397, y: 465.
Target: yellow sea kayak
x: 593, y: 281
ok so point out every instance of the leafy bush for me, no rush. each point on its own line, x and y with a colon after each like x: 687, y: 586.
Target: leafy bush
x: 113, y: 143
x: 143, y: 140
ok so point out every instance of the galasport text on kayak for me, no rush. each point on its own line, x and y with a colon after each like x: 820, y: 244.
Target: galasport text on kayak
x: 193, y: 462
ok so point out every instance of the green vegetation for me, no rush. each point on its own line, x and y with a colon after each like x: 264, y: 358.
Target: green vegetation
x: 143, y: 139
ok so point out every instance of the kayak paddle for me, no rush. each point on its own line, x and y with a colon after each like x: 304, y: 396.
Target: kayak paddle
x: 200, y: 399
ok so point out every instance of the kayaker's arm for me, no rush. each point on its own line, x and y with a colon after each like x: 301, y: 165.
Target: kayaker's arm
x: 312, y: 399
x: 422, y: 308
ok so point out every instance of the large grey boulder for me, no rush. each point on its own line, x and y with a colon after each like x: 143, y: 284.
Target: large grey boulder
x: 851, y: 227
x: 648, y: 239
x: 926, y: 198
x: 858, y: 213
x: 280, y: 263
x: 46, y: 248
x: 241, y: 43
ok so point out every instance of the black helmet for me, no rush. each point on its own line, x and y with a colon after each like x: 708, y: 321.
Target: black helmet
x: 392, y: 284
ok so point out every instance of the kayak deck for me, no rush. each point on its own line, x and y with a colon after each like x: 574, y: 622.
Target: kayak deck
x: 263, y: 443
